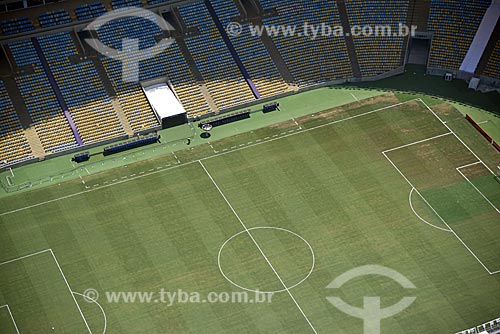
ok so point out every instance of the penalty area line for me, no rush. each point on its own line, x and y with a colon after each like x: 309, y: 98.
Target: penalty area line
x: 11, y: 317
x: 479, y: 191
x: 437, y: 214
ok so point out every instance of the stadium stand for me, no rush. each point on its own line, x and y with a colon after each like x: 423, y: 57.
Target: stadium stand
x: 155, y: 2
x: 125, y: 3
x: 493, y: 65
x: 252, y: 53
x: 170, y: 63
x: 16, y: 26
x: 88, y: 103
x: 41, y: 102
x: 378, y: 54
x: 222, y: 77
x: 310, y: 61
x: 89, y: 11
x: 454, y: 24
x: 57, y: 17
x: 14, y: 146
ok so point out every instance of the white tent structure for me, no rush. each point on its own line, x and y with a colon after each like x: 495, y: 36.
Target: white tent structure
x: 165, y: 104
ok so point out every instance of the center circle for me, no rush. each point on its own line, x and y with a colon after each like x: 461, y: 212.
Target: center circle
x: 301, y: 249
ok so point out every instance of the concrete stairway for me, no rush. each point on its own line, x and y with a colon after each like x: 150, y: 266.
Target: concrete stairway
x: 418, y: 14
x: 121, y: 115
x: 35, y: 142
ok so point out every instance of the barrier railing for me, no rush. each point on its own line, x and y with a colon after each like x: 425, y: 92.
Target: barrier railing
x: 484, y: 133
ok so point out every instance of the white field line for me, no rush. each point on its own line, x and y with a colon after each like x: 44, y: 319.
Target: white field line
x: 354, y: 96
x: 11, y: 317
x: 437, y: 214
x: 60, y: 270
x: 469, y: 165
x: 456, y: 136
x: 258, y: 247
x: 99, y: 305
x: 71, y: 291
x: 479, y: 191
x: 24, y: 257
x: 419, y: 217
x: 206, y: 158
x: 296, y: 123
x: 417, y: 142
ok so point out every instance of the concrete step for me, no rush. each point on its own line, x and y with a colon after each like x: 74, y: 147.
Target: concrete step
x: 121, y: 115
x: 35, y: 142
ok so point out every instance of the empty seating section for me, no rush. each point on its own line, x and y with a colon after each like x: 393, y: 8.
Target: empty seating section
x: 493, y: 66
x: 89, y: 11
x: 125, y: 3
x: 155, y: 2
x: 57, y: 17
x: 252, y: 53
x: 378, y: 54
x: 454, y: 24
x: 212, y: 57
x: 49, y: 120
x: 132, y: 98
x: 13, y: 144
x: 82, y: 89
x: 15, y: 26
x: 310, y: 61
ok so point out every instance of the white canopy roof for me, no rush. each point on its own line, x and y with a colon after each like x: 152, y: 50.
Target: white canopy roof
x: 163, y: 100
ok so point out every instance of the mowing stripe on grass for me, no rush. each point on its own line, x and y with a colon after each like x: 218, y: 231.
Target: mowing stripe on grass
x: 258, y: 247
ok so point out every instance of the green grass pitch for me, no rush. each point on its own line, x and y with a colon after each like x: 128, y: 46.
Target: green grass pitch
x: 349, y: 184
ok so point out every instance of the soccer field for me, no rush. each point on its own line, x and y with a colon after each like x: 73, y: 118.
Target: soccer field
x: 285, y: 209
